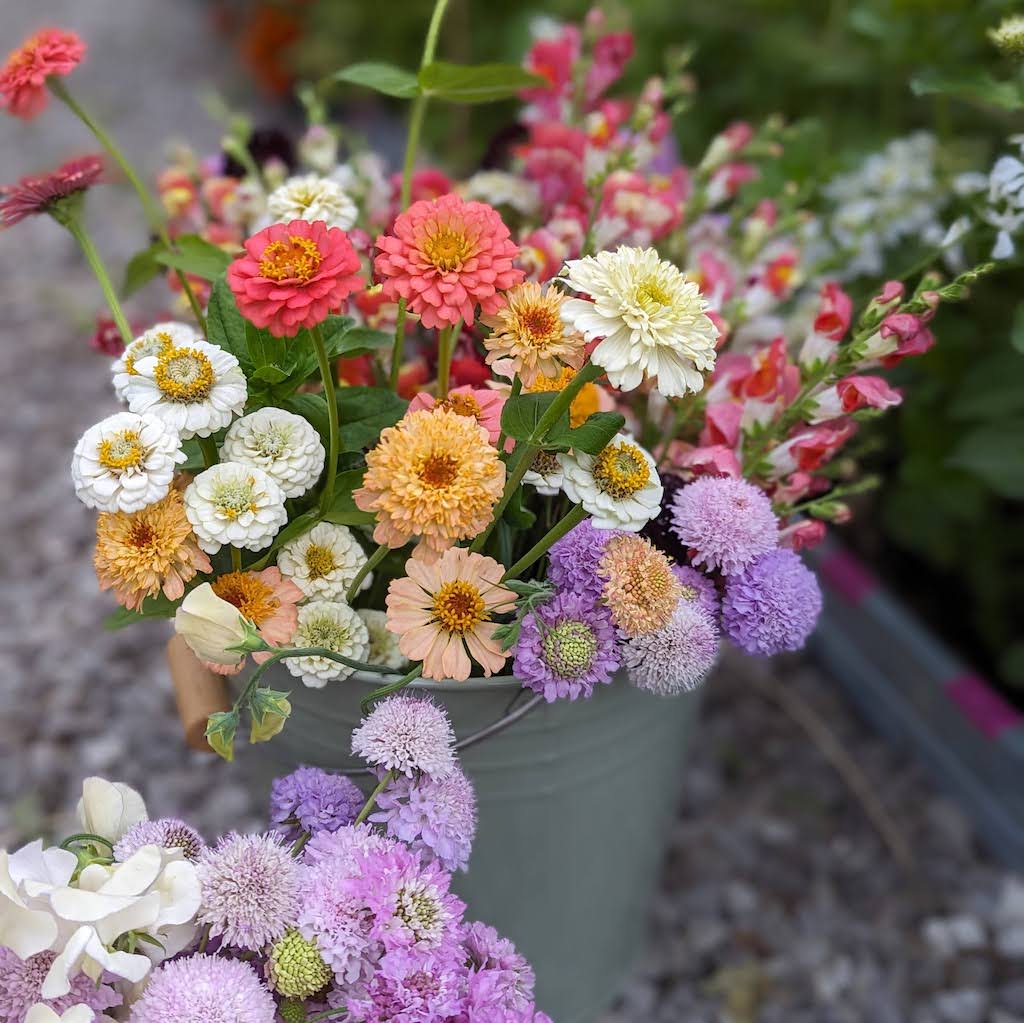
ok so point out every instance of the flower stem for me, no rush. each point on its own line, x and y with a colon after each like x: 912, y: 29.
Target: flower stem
x: 209, y: 449
x: 333, y: 440
x: 300, y: 843
x: 236, y: 559
x: 95, y: 261
x: 445, y: 349
x: 366, y: 705
x: 371, y: 800
x: 371, y: 563
x: 517, y: 389
x: 572, y: 518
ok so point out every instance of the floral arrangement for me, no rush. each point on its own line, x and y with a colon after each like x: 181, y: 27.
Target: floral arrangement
x: 568, y: 418
x: 342, y: 908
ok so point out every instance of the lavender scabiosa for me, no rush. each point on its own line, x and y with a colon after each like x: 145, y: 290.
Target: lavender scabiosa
x: 250, y: 889
x: 204, y: 989
x: 773, y: 605
x: 21, y: 983
x: 566, y: 646
x: 435, y: 818
x: 167, y: 832
x: 311, y: 800
x: 573, y: 560
x: 344, y: 843
x: 675, y: 658
x: 698, y: 589
x: 406, y: 734
x: 726, y: 522
x: 412, y: 986
x: 501, y: 981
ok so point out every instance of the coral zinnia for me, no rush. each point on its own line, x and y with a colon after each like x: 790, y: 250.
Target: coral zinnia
x: 138, y: 554
x: 641, y: 590
x: 40, y: 193
x: 292, y: 275
x: 435, y: 476
x: 445, y: 257
x: 443, y: 613
x: 49, y: 53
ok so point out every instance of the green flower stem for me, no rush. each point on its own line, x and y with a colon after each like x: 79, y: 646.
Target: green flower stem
x: 327, y: 1014
x: 86, y: 836
x: 300, y: 843
x: 95, y: 261
x: 398, y: 348
x: 371, y: 563
x: 517, y: 389
x: 236, y: 559
x: 208, y: 447
x: 446, y: 339
x: 572, y: 518
x: 371, y: 801
x: 366, y: 705
x: 333, y: 440
x: 154, y: 215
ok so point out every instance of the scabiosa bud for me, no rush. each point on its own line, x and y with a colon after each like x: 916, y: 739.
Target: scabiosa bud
x: 295, y: 967
x: 698, y: 589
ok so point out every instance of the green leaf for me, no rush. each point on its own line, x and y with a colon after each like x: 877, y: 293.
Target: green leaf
x: 591, y: 436
x: 343, y: 510
x: 475, y: 83
x: 385, y: 78
x: 225, y: 325
x: 263, y: 349
x: 194, y: 255
x: 992, y: 389
x: 269, y: 375
x: 220, y: 733
x: 516, y: 515
x: 357, y: 341
x: 975, y: 86
x: 520, y: 416
x: 152, y: 607
x: 364, y: 411
x: 994, y: 452
x: 141, y: 269
x: 1017, y: 330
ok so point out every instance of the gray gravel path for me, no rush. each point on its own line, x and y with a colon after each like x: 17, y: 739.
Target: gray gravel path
x: 778, y: 901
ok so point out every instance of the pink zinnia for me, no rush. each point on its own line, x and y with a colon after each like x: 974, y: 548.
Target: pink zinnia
x: 293, y: 275
x: 445, y: 257
x: 480, y: 404
x: 50, y: 52
x: 34, y: 195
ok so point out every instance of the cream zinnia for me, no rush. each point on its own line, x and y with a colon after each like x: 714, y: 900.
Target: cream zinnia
x: 323, y: 562
x: 335, y: 626
x: 280, y: 443
x: 311, y: 197
x: 234, y: 504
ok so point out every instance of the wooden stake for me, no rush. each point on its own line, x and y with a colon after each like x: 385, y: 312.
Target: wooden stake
x: 198, y: 692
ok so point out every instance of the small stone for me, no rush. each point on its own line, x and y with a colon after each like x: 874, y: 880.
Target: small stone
x: 965, y: 1005
x: 946, y: 936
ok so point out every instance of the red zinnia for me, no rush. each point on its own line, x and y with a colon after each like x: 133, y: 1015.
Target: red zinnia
x: 50, y: 52
x: 293, y: 275
x: 34, y: 195
x: 445, y: 256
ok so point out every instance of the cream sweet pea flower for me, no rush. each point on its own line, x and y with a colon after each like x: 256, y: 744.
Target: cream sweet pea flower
x: 27, y: 926
x: 212, y: 627
x: 109, y: 809
x: 42, y: 1013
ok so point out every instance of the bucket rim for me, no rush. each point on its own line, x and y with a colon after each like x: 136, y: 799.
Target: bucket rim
x: 473, y: 684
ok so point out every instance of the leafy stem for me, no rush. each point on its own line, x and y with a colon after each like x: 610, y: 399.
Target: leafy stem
x: 333, y: 438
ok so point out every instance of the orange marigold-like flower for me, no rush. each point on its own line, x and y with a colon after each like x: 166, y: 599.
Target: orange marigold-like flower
x: 442, y: 613
x: 138, y: 554
x: 50, y: 53
x: 588, y: 399
x: 640, y: 589
x: 434, y: 476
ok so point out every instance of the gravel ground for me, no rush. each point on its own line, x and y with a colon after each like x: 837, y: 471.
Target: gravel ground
x: 779, y: 902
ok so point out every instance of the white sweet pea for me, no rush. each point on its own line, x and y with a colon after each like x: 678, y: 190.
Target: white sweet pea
x: 213, y: 629
x: 109, y: 809
x: 42, y: 1013
x: 26, y: 924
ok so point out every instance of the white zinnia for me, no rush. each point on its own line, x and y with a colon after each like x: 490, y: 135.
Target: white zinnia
x: 282, y: 444
x: 311, y: 197
x: 545, y: 473
x: 195, y: 389
x: 619, y: 488
x: 335, y: 626
x: 651, y: 318
x: 125, y: 462
x: 383, y: 644
x: 169, y: 334
x: 234, y: 504
x: 323, y: 562
x: 212, y: 627
x: 499, y: 188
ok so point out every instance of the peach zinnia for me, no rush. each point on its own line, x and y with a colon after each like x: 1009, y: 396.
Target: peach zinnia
x: 444, y: 257
x: 442, y: 613
x: 50, y: 53
x: 435, y: 476
x: 293, y: 275
x: 641, y: 590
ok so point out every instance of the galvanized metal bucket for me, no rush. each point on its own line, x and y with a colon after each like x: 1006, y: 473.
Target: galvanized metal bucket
x: 575, y: 804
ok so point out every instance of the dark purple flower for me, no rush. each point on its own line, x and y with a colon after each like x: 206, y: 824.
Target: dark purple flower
x: 312, y: 800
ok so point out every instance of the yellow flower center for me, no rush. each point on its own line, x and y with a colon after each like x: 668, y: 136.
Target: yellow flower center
x: 294, y: 259
x: 651, y: 291
x: 141, y: 535
x: 621, y: 470
x: 254, y: 599
x: 235, y: 496
x: 439, y: 470
x: 319, y: 561
x: 122, y: 451
x: 458, y: 607
x: 183, y: 374
x: 447, y: 249
x: 539, y: 325
x: 159, y: 343
x: 462, y: 405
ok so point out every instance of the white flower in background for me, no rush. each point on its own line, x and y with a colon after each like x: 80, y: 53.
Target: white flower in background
x: 620, y: 487
x: 195, y: 389
x: 335, y: 626
x: 234, y: 504
x: 651, y: 319
x: 323, y: 562
x: 282, y: 444
x: 318, y: 148
x: 109, y: 808
x: 499, y: 188
x: 365, y: 179
x: 125, y: 462
x: 545, y: 473
x: 213, y: 628
x: 27, y: 926
x: 248, y: 205
x: 151, y: 342
x: 311, y: 197
x: 42, y: 1013
x: 383, y: 644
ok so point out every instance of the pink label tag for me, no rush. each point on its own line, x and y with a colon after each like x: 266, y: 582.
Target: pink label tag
x: 982, y: 705
x: 847, y: 576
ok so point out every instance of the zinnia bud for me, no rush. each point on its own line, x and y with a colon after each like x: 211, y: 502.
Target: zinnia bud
x: 214, y: 630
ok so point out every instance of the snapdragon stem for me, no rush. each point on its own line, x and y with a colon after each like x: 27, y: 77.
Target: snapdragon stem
x: 371, y: 563
x: 333, y: 439
x: 572, y: 518
x: 95, y: 261
x: 371, y: 800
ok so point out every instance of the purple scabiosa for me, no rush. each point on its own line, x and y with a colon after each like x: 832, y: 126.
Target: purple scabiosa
x: 575, y: 558
x: 406, y: 734
x: 726, y: 522
x: 677, y: 657
x: 437, y: 818
x: 698, y: 589
x: 344, y: 843
x: 167, y: 832
x: 412, y: 986
x: 311, y: 800
x: 773, y: 605
x: 250, y: 889
x: 566, y: 646
x: 21, y: 983
x: 500, y: 980
x: 204, y: 989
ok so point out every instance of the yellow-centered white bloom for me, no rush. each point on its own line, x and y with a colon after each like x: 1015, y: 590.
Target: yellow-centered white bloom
x: 160, y: 336
x: 234, y: 504
x: 311, y: 197
x: 282, y: 444
x: 545, y: 473
x: 619, y: 487
x: 650, y: 317
x: 212, y: 627
x: 499, y: 188
x: 323, y: 562
x: 330, y: 624
x: 196, y: 389
x: 125, y: 462
x: 383, y: 644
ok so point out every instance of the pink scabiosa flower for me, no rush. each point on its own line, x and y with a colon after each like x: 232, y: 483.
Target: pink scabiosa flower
x: 445, y: 257
x: 21, y: 984
x: 412, y: 986
x: 46, y: 193
x: 677, y: 657
x: 501, y: 981
x: 407, y: 735
x: 293, y: 275
x: 50, y: 53
x: 477, y: 403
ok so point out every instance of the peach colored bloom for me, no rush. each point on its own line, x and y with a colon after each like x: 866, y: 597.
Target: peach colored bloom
x: 436, y: 476
x: 480, y: 404
x: 293, y: 275
x: 640, y: 589
x: 589, y: 400
x: 442, y: 613
x: 444, y: 257
x: 51, y: 52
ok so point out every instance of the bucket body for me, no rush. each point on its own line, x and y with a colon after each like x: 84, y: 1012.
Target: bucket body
x: 575, y: 803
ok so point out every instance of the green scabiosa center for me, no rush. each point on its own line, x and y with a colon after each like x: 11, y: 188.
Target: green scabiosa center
x: 296, y: 967
x: 688, y: 593
x: 569, y: 648
x: 419, y: 911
